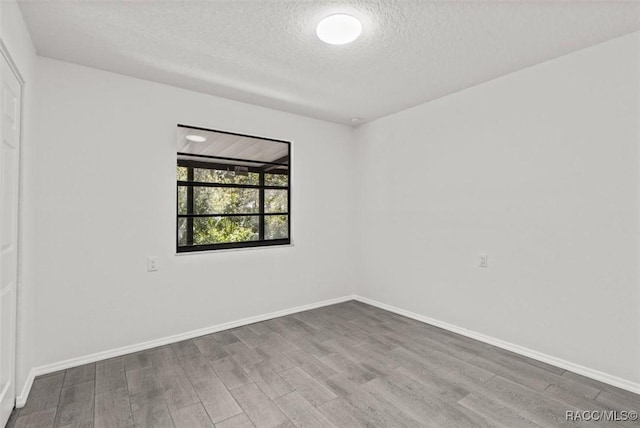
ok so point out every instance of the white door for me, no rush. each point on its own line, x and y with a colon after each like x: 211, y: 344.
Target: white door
x: 9, y: 191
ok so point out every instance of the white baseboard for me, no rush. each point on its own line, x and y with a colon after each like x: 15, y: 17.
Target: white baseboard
x: 21, y: 399
x: 558, y: 362
x: 99, y: 356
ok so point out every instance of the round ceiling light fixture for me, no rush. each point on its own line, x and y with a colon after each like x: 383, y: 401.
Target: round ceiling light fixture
x: 196, y: 138
x: 339, y: 29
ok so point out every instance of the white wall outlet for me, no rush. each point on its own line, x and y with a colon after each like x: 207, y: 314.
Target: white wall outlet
x: 152, y: 264
x: 483, y: 260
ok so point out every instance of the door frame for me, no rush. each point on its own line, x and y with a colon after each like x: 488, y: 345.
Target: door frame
x: 6, y: 56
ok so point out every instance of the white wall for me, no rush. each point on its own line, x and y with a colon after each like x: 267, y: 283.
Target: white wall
x: 106, y: 200
x: 16, y: 38
x: 540, y: 170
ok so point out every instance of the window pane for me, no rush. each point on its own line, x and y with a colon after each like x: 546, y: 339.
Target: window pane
x: 220, y: 176
x: 182, y: 173
x: 276, y: 179
x: 182, y: 232
x: 182, y: 200
x: 276, y: 227
x: 219, y: 200
x: 217, y: 230
x: 275, y: 201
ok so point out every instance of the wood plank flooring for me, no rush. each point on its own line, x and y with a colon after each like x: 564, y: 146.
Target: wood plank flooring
x: 345, y: 365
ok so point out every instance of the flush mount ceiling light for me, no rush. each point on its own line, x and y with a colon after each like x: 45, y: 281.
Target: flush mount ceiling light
x: 339, y: 29
x: 196, y: 138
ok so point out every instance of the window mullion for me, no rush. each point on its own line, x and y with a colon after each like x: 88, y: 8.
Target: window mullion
x: 190, y: 206
x: 261, y: 202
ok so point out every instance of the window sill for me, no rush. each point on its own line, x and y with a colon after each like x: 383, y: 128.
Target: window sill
x: 228, y: 250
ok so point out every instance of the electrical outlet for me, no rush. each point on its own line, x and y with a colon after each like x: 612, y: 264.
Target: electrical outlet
x: 483, y: 260
x: 152, y: 264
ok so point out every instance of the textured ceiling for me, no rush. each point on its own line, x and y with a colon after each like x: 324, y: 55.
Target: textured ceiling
x: 266, y: 52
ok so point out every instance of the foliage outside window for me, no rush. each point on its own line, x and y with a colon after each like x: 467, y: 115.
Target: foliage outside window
x: 225, y: 202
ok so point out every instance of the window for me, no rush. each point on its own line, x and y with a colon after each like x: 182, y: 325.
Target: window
x: 233, y: 190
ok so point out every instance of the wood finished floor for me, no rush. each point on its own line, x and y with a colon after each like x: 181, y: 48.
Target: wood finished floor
x: 345, y: 365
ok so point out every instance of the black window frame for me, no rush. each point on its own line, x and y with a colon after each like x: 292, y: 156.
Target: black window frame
x: 263, y: 169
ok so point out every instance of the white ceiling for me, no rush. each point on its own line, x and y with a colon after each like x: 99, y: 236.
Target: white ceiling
x: 266, y: 52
